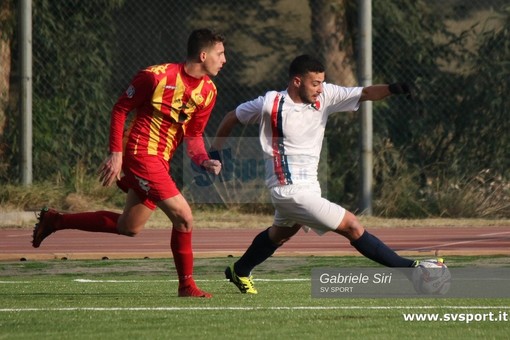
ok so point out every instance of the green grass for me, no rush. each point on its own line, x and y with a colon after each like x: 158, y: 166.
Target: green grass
x: 57, y: 300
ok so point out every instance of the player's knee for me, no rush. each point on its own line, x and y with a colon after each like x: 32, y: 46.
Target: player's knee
x: 281, y: 241
x: 185, y: 228
x: 280, y: 235
x: 130, y: 231
x: 184, y: 225
x: 350, y: 227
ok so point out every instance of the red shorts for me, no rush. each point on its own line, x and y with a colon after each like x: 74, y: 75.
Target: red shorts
x: 149, y: 177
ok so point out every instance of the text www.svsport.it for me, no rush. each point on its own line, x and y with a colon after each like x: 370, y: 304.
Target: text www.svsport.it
x: 500, y: 316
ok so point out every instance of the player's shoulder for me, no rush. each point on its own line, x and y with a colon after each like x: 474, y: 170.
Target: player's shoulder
x: 332, y: 87
x: 273, y: 94
x: 162, y: 69
x: 336, y: 87
x: 276, y: 93
x: 156, y: 73
x: 330, y: 90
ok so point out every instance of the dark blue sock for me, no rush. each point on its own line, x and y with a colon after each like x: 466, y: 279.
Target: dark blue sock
x: 260, y: 250
x: 373, y: 248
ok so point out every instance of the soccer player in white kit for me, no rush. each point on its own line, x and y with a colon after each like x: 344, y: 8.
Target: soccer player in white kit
x: 291, y: 131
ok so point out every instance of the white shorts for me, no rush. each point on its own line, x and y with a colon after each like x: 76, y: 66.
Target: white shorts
x: 303, y: 204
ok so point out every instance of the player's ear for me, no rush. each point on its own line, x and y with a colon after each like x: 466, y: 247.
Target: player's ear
x: 296, y: 81
x: 203, y: 56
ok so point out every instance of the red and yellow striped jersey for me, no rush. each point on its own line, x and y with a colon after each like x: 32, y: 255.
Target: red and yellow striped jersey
x: 170, y: 106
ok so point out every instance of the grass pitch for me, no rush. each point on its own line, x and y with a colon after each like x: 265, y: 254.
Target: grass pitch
x: 137, y: 299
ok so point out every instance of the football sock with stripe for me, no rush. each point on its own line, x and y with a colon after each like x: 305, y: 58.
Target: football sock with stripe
x: 373, y: 248
x: 260, y: 250
x: 98, y: 221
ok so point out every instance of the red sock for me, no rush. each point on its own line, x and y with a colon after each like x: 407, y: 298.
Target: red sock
x: 183, y: 256
x: 99, y: 221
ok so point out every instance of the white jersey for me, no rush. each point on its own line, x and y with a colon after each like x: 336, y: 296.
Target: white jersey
x: 291, y: 133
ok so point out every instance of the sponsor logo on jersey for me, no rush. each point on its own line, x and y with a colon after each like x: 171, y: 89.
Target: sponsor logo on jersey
x: 130, y: 92
x: 198, y: 98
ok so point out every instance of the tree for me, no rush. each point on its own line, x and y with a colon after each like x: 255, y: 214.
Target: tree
x: 332, y: 34
x: 6, y: 23
x: 73, y: 55
x: 484, y: 123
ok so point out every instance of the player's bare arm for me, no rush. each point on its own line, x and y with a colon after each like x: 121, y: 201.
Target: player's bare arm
x: 226, y: 126
x: 381, y: 91
x: 375, y: 92
x: 110, y: 169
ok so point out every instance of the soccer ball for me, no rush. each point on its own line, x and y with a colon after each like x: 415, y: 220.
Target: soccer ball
x: 431, y: 277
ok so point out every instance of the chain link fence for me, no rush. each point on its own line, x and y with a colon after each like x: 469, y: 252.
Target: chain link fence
x: 454, y: 52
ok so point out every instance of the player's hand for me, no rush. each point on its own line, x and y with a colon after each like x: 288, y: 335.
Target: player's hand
x: 110, y: 169
x: 212, y: 166
x: 401, y: 88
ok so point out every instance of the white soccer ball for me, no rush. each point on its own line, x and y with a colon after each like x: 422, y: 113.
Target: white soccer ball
x: 431, y: 277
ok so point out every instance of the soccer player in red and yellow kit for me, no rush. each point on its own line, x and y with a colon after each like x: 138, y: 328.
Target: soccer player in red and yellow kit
x: 172, y: 104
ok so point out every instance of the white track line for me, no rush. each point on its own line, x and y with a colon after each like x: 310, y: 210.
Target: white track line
x: 170, y: 309
x: 483, y: 239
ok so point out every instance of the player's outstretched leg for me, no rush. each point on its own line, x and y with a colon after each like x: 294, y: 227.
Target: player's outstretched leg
x: 373, y: 248
x: 369, y: 245
x: 51, y: 221
x: 48, y: 218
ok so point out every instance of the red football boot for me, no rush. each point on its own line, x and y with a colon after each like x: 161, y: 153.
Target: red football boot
x: 193, y: 291
x: 46, y: 226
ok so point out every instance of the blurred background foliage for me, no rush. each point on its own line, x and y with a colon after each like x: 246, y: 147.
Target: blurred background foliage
x: 445, y: 153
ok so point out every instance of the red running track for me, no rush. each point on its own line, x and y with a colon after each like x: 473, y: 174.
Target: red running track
x: 15, y: 244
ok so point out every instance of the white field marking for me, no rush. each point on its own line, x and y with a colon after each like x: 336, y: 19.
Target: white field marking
x: 156, y: 309
x: 464, y: 242
x: 198, y: 280
x: 221, y: 280
x: 156, y: 281
x: 123, y: 281
x: 281, y: 280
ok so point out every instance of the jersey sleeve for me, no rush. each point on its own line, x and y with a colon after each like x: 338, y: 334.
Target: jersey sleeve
x: 250, y: 112
x: 194, y: 134
x: 136, y: 94
x: 341, y: 99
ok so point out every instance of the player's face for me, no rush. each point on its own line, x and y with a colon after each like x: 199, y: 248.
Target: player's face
x: 310, y: 87
x: 214, y: 59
